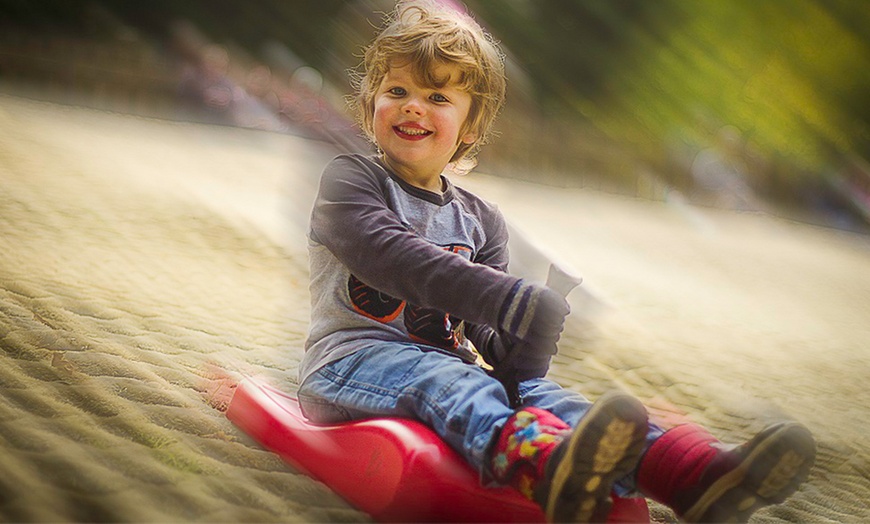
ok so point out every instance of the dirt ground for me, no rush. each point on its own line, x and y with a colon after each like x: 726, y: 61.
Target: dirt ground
x: 136, y: 253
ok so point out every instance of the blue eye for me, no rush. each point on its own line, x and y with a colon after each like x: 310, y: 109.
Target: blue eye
x: 397, y: 91
x: 438, y: 97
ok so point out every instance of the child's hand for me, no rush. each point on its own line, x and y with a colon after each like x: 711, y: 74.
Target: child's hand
x: 531, y: 366
x: 538, y: 320
x: 547, y: 321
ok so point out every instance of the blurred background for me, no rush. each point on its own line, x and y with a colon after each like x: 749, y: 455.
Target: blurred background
x: 745, y: 104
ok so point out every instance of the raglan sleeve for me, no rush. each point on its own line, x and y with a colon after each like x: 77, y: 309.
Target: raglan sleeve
x: 352, y: 219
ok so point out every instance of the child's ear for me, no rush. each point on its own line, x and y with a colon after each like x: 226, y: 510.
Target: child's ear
x: 469, y: 138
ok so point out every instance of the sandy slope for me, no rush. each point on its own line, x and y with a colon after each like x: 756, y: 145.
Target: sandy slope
x: 134, y: 253
x: 126, y: 267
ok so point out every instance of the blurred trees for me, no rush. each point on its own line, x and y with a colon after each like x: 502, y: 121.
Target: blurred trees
x: 616, y: 88
x: 790, y: 79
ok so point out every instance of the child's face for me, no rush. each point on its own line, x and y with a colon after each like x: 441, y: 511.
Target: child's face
x: 418, y: 127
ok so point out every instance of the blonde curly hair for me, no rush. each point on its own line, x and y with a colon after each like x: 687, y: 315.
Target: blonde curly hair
x: 427, y: 34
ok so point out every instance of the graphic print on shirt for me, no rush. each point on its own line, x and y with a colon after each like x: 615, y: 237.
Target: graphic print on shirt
x: 430, y: 326
x: 424, y: 325
x: 371, y: 303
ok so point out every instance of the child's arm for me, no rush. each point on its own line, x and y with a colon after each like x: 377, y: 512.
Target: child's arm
x: 498, y: 348
x: 487, y: 340
x: 352, y: 219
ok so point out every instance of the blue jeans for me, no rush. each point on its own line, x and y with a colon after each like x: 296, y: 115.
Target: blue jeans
x: 459, y: 401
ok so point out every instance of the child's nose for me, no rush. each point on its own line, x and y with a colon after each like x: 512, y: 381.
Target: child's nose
x: 413, y: 106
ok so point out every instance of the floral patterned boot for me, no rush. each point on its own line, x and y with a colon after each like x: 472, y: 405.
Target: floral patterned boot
x: 571, y: 473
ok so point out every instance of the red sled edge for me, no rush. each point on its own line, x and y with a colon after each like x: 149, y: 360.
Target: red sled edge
x: 393, y: 469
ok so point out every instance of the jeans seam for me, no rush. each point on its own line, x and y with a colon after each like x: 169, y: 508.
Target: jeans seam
x: 427, y: 400
x: 320, y: 404
x: 436, y: 406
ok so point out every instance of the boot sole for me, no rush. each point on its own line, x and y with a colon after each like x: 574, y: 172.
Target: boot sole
x: 604, y: 447
x: 772, y: 470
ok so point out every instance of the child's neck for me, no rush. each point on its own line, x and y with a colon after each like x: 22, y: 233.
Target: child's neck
x: 429, y: 181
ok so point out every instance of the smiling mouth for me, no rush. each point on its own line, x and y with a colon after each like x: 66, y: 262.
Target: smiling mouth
x: 411, y: 132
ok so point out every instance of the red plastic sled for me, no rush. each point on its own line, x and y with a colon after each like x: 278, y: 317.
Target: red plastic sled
x: 393, y: 469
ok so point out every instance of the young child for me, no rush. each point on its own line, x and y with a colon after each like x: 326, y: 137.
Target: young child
x: 408, y: 272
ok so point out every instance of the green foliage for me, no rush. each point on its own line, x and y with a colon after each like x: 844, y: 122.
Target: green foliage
x: 793, y: 76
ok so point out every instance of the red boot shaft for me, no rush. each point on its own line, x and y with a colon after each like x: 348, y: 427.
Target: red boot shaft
x: 703, y: 480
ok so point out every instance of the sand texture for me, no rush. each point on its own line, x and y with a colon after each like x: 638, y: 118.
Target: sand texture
x: 136, y: 255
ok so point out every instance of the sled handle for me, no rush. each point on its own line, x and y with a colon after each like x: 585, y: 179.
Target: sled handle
x: 561, y: 281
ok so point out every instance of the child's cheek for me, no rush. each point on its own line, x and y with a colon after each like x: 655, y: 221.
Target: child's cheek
x: 385, y: 110
x: 380, y: 121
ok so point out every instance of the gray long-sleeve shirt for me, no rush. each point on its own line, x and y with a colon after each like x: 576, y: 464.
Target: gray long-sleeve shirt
x: 388, y: 259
